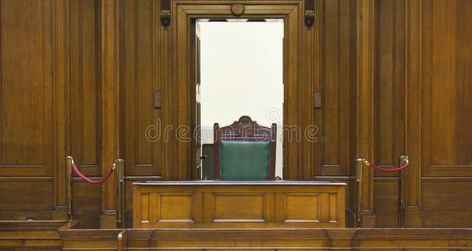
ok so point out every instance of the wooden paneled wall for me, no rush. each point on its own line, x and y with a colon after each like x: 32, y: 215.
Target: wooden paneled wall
x: 423, y: 65
x: 50, y: 107
x: 444, y: 129
x: 77, y: 77
x: 32, y: 101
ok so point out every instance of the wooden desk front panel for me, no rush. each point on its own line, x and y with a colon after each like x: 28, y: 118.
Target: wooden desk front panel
x: 162, y: 206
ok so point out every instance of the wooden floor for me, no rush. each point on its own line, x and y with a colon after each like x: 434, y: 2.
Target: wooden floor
x: 57, y: 235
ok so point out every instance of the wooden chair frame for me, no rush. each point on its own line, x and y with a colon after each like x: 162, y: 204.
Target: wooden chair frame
x: 245, y: 130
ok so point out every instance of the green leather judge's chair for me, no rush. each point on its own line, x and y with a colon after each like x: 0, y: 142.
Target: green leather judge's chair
x: 245, y: 150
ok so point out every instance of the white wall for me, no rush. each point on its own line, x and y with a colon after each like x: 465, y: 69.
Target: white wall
x: 242, y: 74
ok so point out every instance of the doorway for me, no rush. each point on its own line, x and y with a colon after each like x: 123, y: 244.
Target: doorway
x: 183, y: 160
x: 239, y: 71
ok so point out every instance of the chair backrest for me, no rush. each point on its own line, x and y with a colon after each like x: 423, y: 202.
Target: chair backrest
x: 245, y: 150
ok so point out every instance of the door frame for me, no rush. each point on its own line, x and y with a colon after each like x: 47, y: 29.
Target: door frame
x: 182, y: 90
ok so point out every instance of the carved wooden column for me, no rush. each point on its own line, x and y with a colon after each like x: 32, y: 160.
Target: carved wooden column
x: 109, y: 19
x: 365, y: 19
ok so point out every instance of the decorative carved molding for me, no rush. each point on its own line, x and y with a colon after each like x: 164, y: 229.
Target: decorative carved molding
x: 237, y: 9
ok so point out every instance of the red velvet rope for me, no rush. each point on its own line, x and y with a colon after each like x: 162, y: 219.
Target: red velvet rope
x: 404, y: 166
x: 88, y: 180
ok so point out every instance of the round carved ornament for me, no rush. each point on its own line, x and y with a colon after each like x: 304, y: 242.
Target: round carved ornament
x: 237, y: 9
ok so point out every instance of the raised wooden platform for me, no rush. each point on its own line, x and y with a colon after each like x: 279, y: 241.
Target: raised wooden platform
x: 261, y: 204
x: 42, y: 236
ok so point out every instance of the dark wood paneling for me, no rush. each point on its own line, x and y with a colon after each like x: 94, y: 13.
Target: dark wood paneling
x: 224, y: 239
x: 447, y: 194
x: 428, y: 44
x: 142, y: 49
x: 110, y: 127
x: 31, y: 112
x: 86, y: 204
x: 272, y: 239
x: 389, y: 106
x: 332, y: 154
x: 447, y: 63
x: 26, y: 96
x: 386, y: 202
x: 84, y: 32
x: 447, y: 218
x: 389, y: 82
x: 26, y: 194
x: 52, y: 67
x: 84, y: 84
x: 365, y: 16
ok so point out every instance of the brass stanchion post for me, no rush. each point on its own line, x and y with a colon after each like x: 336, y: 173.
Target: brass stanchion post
x: 69, y: 180
x: 120, y: 178
x: 359, y: 169
x: 401, y: 192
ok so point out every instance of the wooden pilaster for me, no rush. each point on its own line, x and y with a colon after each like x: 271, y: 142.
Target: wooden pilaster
x: 109, y: 106
x: 365, y: 103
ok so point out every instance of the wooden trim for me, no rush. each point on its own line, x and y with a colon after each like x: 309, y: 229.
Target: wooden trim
x: 110, y: 103
x: 61, y: 87
x: 365, y: 105
x: 179, y: 164
x: 412, y: 182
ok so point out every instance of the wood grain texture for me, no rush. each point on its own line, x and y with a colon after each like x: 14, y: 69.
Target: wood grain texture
x: 110, y: 103
x: 77, y: 78
x: 32, y: 102
x: 446, y: 60
x: 83, y: 101
x: 365, y: 21
x: 54, y: 237
x: 194, y: 205
x: 141, y: 70
x: 389, y: 107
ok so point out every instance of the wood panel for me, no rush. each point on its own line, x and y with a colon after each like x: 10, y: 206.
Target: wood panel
x: 84, y: 32
x: 27, y: 235
x: 365, y: 86
x: 26, y: 197
x: 26, y: 88
x: 389, y: 106
x: 110, y: 127
x: 332, y: 153
x: 142, y: 72
x: 446, y: 202
x: 84, y: 85
x: 220, y: 204
x: 389, y: 83
x: 144, y: 57
x: 32, y: 107
x: 386, y: 201
x: 86, y: 204
x: 428, y: 44
x: 52, y: 236
x: 62, y: 61
x: 271, y: 239
x: 447, y: 58
x: 438, y: 81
